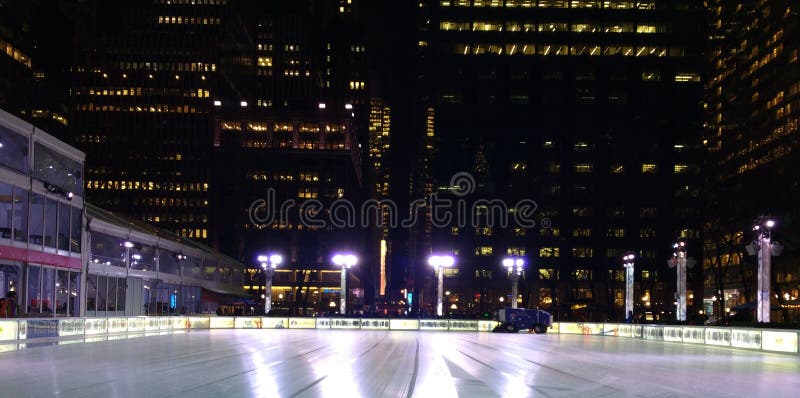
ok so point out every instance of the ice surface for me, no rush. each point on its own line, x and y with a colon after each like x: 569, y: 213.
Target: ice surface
x: 351, y: 364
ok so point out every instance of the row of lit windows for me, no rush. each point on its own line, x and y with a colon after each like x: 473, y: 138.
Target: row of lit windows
x: 15, y: 53
x: 302, y: 144
x: 583, y: 146
x: 764, y: 60
x: 777, y: 133
x: 139, y: 91
x: 646, y: 168
x: 158, y: 108
x: 564, y: 50
x: 147, y: 186
x: 280, y: 226
x: 680, y: 192
x: 283, y: 127
x: 164, y: 66
x: 200, y: 233
x: 313, y: 193
x: 614, y: 212
x: 45, y: 114
x: 177, y: 218
x: 192, y: 2
x: 356, y: 85
x: 773, y: 154
x: 180, y: 20
x: 516, y: 26
x: 173, y: 202
x: 586, y: 232
x: 608, y: 4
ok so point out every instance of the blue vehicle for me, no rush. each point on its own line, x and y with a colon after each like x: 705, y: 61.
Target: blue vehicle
x: 513, y: 320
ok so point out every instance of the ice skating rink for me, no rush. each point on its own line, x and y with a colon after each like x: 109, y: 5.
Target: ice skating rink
x: 351, y: 364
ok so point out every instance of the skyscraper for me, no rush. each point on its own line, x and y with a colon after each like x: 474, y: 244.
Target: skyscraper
x: 753, y: 149
x: 145, y: 78
x: 589, y: 108
x: 297, y: 138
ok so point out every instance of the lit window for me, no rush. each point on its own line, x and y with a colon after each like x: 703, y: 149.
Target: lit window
x: 584, y: 168
x: 519, y: 167
x: 651, y: 76
x: 646, y: 29
x: 582, y: 252
x: 648, y: 168
x: 687, y: 77
x: 483, y: 251
x: 265, y: 62
x: 549, y: 252
x: 581, y: 146
x: 681, y: 168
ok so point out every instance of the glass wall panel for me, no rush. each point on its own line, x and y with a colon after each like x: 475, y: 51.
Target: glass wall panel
x: 20, y: 218
x: 147, y: 296
x: 91, y: 294
x: 143, y: 258
x: 9, y: 278
x: 191, y: 300
x: 6, y: 209
x: 34, y: 290
x: 13, y: 150
x: 102, y: 294
x: 74, y: 294
x: 168, y: 262
x: 48, y: 291
x: 63, y: 226
x: 58, y: 170
x: 62, y: 292
x: 36, y: 220
x: 191, y: 267
x: 107, y: 249
x: 76, y: 223
x: 111, y: 297
x: 210, y: 269
x: 50, y: 222
x: 122, y: 287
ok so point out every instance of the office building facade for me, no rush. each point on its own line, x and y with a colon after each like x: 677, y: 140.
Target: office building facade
x: 591, y: 110
x: 752, y: 151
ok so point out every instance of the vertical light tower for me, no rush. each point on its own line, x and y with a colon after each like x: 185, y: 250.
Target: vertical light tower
x: 765, y: 249
x: 268, y: 264
x: 679, y: 261
x: 628, y: 262
x: 346, y: 261
x: 439, y: 263
x: 515, y: 266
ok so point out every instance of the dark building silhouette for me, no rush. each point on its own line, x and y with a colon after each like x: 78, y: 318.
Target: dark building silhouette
x: 752, y: 144
x: 297, y: 136
x: 16, y: 52
x: 144, y: 80
x: 591, y: 109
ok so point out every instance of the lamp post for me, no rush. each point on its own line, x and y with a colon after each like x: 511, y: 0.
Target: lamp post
x: 629, y: 266
x: 679, y: 261
x: 765, y: 249
x: 345, y: 261
x: 439, y: 263
x: 515, y: 266
x: 268, y: 264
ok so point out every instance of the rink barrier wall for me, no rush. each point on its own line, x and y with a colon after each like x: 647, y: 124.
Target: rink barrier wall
x: 66, y: 330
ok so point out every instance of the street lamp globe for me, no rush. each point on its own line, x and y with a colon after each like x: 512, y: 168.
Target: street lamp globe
x: 275, y: 259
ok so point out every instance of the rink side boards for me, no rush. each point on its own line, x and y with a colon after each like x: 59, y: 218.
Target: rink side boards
x: 15, y: 334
